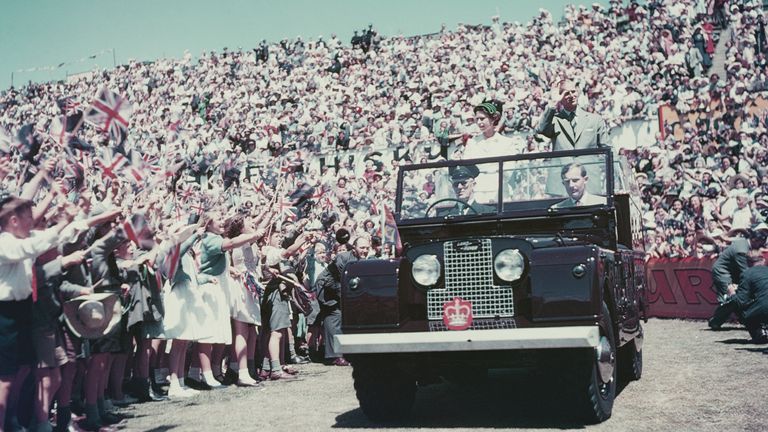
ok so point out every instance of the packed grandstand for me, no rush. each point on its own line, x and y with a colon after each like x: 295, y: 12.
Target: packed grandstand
x: 317, y: 128
x: 295, y: 146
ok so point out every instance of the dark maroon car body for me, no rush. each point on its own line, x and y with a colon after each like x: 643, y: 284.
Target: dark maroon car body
x: 584, y: 271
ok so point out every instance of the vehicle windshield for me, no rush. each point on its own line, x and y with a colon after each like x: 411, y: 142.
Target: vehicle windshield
x: 546, y: 184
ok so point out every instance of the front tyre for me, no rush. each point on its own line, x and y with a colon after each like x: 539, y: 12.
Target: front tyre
x: 631, y: 359
x: 598, y: 376
x: 384, y: 391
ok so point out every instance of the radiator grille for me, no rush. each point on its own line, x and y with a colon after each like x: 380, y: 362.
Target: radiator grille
x: 479, y: 324
x: 469, y: 275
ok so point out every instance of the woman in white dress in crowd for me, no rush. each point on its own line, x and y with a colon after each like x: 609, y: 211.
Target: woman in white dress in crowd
x: 185, y: 313
x: 214, y: 265
x: 245, y: 310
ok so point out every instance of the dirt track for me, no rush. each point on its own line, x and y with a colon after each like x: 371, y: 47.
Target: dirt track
x: 694, y: 380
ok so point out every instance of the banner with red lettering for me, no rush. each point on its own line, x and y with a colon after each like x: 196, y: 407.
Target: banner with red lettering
x: 681, y: 288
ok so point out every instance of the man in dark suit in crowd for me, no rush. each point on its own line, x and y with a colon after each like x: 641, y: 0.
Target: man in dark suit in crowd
x: 464, y: 181
x: 329, y: 295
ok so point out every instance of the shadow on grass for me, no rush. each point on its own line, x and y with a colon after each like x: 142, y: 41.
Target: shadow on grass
x: 722, y: 329
x: 746, y: 341
x: 760, y: 350
x: 508, y: 399
x: 163, y: 428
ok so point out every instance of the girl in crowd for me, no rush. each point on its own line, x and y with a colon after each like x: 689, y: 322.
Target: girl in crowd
x: 245, y: 311
x: 184, y: 319
x: 214, y: 269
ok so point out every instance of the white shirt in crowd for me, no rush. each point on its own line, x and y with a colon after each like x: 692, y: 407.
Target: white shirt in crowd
x: 742, y: 218
x: 16, y: 258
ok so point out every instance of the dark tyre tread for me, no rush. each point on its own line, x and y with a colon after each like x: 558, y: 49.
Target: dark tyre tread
x: 630, y: 363
x: 599, y: 405
x: 385, y: 393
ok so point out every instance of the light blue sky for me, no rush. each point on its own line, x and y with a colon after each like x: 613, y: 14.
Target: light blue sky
x: 39, y: 33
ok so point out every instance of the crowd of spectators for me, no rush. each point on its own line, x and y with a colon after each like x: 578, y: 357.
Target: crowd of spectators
x: 307, y: 136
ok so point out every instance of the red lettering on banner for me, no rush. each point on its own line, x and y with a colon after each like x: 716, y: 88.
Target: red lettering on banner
x: 662, y: 290
x: 696, y: 284
x: 680, y: 288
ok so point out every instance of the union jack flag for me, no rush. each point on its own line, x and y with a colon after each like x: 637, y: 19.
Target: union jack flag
x: 75, y: 173
x: 319, y: 193
x: 257, y: 186
x: 64, y: 127
x: 326, y: 203
x: 137, y: 166
x: 136, y: 229
x: 187, y: 191
x: 198, y: 207
x: 252, y: 285
x: 136, y: 174
x: 169, y: 263
x: 287, y: 209
x: 165, y: 174
x: 110, y: 163
x: 67, y: 105
x: 151, y: 163
x: 110, y: 113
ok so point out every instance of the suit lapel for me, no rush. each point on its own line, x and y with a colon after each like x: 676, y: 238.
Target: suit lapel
x: 565, y: 126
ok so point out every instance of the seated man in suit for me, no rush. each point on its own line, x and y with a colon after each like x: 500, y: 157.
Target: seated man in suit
x: 575, y: 178
x: 464, y: 181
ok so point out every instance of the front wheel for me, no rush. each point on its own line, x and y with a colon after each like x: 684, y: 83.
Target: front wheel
x: 385, y: 392
x: 598, y: 375
x: 631, y: 359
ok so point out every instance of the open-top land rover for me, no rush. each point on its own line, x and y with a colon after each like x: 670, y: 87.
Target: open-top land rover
x: 534, y: 260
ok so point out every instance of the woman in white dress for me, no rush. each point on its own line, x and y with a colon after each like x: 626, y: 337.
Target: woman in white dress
x: 185, y: 313
x: 214, y: 264
x: 245, y: 310
x: 489, y: 143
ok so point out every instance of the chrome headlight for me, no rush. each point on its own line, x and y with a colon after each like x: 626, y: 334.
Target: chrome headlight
x: 426, y: 270
x: 509, y: 265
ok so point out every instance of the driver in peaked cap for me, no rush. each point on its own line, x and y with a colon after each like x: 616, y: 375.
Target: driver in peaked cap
x: 464, y: 180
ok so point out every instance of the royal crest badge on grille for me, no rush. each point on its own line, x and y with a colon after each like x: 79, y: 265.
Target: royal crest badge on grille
x: 457, y: 314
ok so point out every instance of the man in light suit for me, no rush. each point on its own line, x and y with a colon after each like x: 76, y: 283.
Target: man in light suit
x: 575, y: 178
x: 568, y: 126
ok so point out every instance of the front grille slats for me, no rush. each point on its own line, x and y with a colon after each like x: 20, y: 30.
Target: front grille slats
x: 469, y: 275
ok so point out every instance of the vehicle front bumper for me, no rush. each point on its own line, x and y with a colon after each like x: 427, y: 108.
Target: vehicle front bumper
x: 469, y: 340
